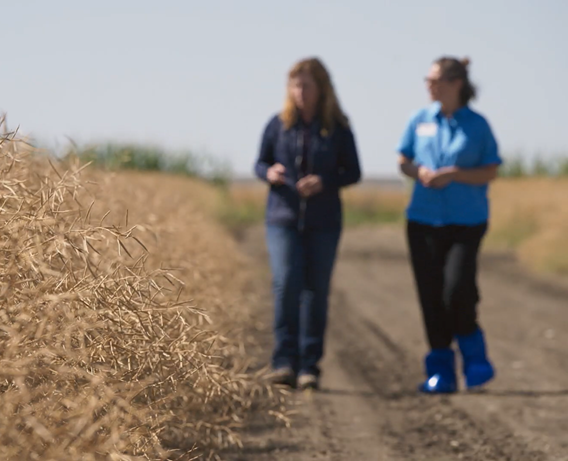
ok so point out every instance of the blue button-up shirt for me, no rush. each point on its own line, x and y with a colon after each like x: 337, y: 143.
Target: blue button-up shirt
x: 464, y: 140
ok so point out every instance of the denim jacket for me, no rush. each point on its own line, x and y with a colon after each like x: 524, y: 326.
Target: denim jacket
x: 331, y: 155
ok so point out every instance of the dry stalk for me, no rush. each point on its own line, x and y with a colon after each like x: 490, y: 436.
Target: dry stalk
x: 98, y: 358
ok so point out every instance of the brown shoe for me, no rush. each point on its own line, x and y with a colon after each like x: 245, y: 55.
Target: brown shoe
x: 308, y: 381
x: 283, y: 377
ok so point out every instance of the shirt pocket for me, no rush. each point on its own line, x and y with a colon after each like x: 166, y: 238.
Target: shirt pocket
x: 465, y: 152
x: 325, y: 155
x: 425, y: 151
x: 284, y: 150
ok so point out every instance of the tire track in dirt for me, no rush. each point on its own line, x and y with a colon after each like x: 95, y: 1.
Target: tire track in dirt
x: 522, y: 415
x: 369, y: 409
x: 418, y: 427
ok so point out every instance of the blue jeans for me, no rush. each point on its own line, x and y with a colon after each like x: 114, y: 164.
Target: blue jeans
x: 302, y: 265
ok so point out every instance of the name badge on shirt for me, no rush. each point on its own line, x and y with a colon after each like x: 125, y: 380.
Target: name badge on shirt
x: 426, y: 129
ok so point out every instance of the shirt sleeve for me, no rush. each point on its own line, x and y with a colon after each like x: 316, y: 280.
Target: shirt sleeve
x: 406, y: 143
x: 490, y: 154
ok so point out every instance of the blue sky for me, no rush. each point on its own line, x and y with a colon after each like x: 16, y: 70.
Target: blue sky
x: 208, y: 74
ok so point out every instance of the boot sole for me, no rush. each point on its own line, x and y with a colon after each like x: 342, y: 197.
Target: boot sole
x: 285, y: 382
x: 425, y: 391
x: 309, y: 387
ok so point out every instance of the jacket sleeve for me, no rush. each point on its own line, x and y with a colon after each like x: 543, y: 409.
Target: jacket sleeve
x: 266, y: 155
x: 349, y: 170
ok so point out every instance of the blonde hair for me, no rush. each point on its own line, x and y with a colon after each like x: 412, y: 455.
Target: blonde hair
x: 329, y: 110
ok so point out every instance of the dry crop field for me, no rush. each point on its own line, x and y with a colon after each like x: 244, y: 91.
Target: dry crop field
x: 529, y: 215
x: 125, y: 325
x: 134, y: 326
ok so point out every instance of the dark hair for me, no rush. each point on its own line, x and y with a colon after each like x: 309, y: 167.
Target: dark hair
x: 457, y: 69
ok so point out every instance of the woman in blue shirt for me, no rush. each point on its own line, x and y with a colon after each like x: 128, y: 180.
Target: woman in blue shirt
x: 450, y: 151
x: 307, y: 154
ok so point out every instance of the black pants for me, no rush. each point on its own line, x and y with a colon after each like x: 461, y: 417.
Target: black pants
x: 444, y: 261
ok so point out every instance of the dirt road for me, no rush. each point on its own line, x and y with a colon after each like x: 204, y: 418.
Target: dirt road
x: 368, y: 408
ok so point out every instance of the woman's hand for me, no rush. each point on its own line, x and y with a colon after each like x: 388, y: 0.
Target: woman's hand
x: 309, y: 185
x: 443, y: 177
x: 275, y: 174
x: 425, y: 176
x: 437, y: 179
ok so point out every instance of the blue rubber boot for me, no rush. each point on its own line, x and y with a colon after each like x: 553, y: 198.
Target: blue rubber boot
x: 476, y: 366
x: 441, y: 371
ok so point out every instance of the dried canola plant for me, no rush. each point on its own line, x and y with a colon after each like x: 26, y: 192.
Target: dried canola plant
x: 101, y: 357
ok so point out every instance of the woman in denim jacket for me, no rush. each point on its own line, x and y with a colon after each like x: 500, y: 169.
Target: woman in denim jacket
x: 307, y: 155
